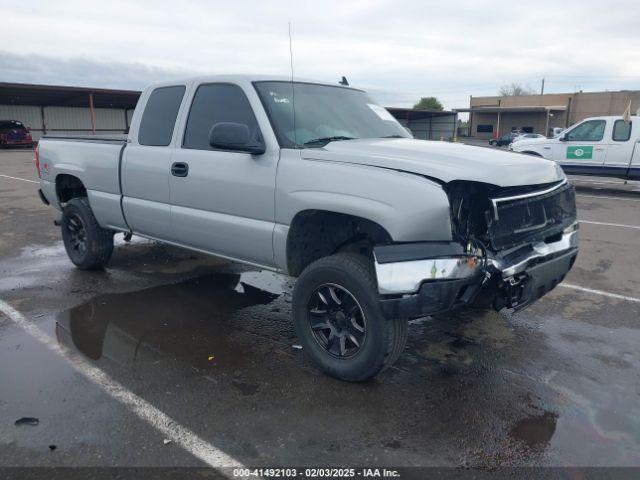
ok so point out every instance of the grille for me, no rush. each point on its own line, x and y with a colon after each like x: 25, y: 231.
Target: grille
x: 531, y: 217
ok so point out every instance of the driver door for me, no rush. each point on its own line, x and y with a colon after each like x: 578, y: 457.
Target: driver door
x: 584, y: 144
x: 222, y: 201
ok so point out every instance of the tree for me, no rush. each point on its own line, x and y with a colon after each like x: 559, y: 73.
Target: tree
x: 428, y: 103
x: 515, y: 90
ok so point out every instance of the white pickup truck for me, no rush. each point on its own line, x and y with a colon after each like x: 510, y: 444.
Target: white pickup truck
x: 603, y: 146
x: 319, y: 182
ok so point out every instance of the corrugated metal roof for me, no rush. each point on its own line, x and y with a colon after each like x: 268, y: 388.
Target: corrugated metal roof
x: 416, y: 114
x: 65, y: 96
x: 524, y: 108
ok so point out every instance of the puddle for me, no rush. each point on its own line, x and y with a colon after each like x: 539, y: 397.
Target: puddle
x: 191, y: 320
x: 535, y: 431
x: 215, y: 352
x: 46, y: 266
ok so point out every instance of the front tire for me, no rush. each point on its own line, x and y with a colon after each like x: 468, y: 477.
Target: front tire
x: 337, y: 317
x: 88, y: 245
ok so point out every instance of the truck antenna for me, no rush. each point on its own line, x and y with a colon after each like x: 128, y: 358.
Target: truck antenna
x: 293, y: 88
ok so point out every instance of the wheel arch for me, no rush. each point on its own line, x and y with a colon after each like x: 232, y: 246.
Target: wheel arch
x: 69, y: 186
x: 316, y: 233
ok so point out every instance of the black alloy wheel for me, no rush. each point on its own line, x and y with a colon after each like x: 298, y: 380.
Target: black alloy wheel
x: 88, y: 245
x: 337, y: 320
x: 77, y: 234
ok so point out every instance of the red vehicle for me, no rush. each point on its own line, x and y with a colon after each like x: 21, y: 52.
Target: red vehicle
x: 14, y: 134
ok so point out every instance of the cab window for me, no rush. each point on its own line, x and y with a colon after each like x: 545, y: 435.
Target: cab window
x: 159, y: 117
x: 621, y: 131
x: 214, y: 103
x: 589, y: 131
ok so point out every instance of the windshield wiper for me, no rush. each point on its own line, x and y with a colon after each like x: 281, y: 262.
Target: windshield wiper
x: 325, y: 140
x: 393, y: 136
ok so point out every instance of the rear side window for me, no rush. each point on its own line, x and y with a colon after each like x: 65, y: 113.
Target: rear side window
x: 621, y: 131
x: 214, y: 103
x: 159, y: 117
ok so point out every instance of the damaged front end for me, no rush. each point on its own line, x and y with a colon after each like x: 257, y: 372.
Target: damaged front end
x: 510, y: 247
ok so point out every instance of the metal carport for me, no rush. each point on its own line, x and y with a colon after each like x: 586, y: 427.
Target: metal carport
x: 67, y: 110
x: 427, y: 124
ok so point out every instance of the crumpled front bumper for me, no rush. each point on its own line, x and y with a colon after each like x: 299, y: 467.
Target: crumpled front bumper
x: 424, y: 279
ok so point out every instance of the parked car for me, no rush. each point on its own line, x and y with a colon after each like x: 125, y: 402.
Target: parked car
x: 603, y: 146
x: 14, y: 134
x: 524, y: 136
x: 377, y: 227
x: 501, y: 141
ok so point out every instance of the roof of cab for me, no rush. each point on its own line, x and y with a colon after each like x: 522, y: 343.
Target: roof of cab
x: 241, y: 79
x: 606, y: 117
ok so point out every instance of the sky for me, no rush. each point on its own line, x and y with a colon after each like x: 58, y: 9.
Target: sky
x: 397, y: 50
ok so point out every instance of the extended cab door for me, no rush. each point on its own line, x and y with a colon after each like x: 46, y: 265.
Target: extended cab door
x: 223, y: 201
x: 146, y: 164
x: 621, y: 147
x: 583, y: 145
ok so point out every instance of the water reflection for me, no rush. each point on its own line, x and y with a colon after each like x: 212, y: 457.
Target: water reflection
x: 166, y: 317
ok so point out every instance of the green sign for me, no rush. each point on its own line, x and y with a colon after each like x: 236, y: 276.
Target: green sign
x: 580, y: 153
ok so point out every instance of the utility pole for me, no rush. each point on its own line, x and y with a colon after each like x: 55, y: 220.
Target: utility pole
x: 542, y: 87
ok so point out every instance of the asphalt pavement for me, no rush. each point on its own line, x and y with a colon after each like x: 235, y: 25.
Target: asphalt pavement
x: 172, y: 358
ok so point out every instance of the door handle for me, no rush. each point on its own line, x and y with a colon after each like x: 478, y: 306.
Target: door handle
x: 180, y: 169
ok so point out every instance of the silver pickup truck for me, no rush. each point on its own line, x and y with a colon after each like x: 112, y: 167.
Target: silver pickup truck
x: 319, y: 182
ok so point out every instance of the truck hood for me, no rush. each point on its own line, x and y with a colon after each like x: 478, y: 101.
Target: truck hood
x: 443, y: 161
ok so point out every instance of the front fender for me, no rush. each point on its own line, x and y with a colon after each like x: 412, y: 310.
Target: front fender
x: 409, y: 207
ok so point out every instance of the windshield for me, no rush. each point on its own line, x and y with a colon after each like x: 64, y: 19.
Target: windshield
x: 324, y: 113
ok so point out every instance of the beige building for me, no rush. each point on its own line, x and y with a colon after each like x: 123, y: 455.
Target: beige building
x: 493, y: 116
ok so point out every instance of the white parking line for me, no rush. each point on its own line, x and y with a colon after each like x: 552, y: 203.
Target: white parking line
x: 636, y: 227
x: 603, y: 182
x: 169, y: 428
x: 609, y: 198
x: 600, y: 292
x: 16, y: 178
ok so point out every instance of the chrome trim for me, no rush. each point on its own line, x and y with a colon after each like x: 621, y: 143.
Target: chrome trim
x: 406, y: 277
x: 568, y: 241
x: 495, y: 201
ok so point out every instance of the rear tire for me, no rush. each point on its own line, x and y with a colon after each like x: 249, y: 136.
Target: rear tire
x: 337, y: 317
x: 88, y: 245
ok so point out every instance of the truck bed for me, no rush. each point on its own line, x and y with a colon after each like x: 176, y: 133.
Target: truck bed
x: 95, y: 160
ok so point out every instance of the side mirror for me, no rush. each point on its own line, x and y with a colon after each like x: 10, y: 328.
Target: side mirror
x: 235, y: 137
x: 563, y: 138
